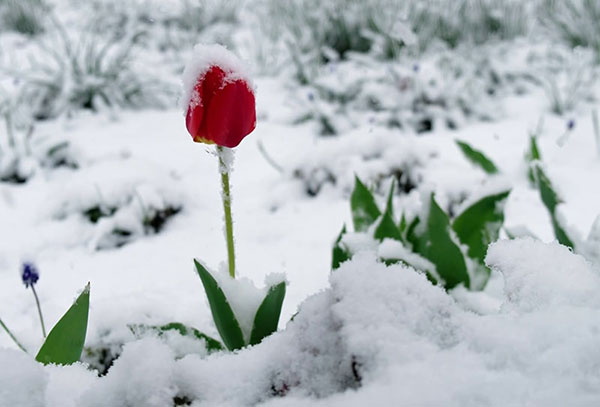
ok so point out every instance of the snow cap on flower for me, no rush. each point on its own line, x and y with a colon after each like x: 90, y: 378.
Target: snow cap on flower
x: 29, y: 274
x: 218, y: 97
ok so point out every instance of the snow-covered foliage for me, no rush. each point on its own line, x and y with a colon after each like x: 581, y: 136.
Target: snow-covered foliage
x: 99, y: 182
x: 23, y: 16
x: 454, y: 23
x: 168, y: 26
x: 64, y: 75
x: 375, y: 336
x: 575, y: 22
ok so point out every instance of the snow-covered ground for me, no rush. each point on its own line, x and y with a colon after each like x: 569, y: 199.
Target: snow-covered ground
x: 364, y: 334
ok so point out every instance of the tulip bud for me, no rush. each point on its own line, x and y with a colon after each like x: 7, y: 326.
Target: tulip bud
x: 219, y: 98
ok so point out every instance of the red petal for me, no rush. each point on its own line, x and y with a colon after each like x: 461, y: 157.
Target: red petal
x: 231, y: 114
x: 206, y: 87
x: 193, y: 119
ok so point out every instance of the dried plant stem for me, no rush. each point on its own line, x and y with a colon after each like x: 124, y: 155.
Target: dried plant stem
x: 12, y: 336
x: 268, y: 157
x: 37, y: 302
x: 226, y: 197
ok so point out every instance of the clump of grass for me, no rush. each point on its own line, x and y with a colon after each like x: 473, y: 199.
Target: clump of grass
x: 116, y: 223
x: 68, y: 74
x: 575, y: 22
x: 156, y: 218
x: 467, y: 21
x: 23, y: 16
x: 22, y: 151
x: 311, y: 32
x: 314, y: 32
x: 568, y: 79
x: 170, y: 28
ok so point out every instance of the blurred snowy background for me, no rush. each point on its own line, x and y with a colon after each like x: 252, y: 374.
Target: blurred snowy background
x: 100, y: 182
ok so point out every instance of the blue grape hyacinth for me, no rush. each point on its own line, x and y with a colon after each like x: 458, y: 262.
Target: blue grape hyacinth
x: 30, y: 274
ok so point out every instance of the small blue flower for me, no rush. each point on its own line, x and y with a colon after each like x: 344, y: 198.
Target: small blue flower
x: 311, y: 96
x: 570, y: 124
x: 30, y: 274
x: 416, y: 68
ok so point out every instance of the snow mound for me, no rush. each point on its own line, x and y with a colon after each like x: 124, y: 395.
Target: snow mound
x: 22, y: 380
x: 539, y: 275
x: 142, y: 376
x: 380, y: 335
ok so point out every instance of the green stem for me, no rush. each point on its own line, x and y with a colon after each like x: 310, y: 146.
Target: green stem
x: 12, y: 336
x: 226, y: 196
x: 37, y: 302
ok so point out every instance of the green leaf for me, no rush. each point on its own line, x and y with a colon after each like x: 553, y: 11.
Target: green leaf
x: 403, y: 224
x: 364, y: 209
x: 64, y: 343
x: 411, y: 232
x: 547, y: 193
x: 267, y: 315
x: 551, y: 200
x: 437, y: 246
x: 477, y: 158
x: 531, y: 156
x: 479, y: 224
x: 340, y: 252
x: 389, y: 207
x: 225, y: 320
x: 387, y: 229
x: 184, y: 330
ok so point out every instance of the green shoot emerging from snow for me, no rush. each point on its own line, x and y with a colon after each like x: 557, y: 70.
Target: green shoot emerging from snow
x: 449, y: 251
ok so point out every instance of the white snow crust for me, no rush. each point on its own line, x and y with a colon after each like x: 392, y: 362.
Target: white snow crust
x: 364, y: 335
x: 379, y: 336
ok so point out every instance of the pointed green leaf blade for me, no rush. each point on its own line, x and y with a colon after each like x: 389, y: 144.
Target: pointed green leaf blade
x: 389, y: 207
x: 411, y: 235
x: 267, y: 315
x: 531, y: 156
x: 340, y: 252
x: 387, y: 229
x: 437, y: 246
x: 551, y: 200
x: 477, y: 157
x: 64, y: 343
x: 479, y: 224
x: 403, y: 224
x: 223, y: 316
x: 364, y: 209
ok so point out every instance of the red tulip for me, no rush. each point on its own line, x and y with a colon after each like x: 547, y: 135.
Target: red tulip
x: 221, y: 110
